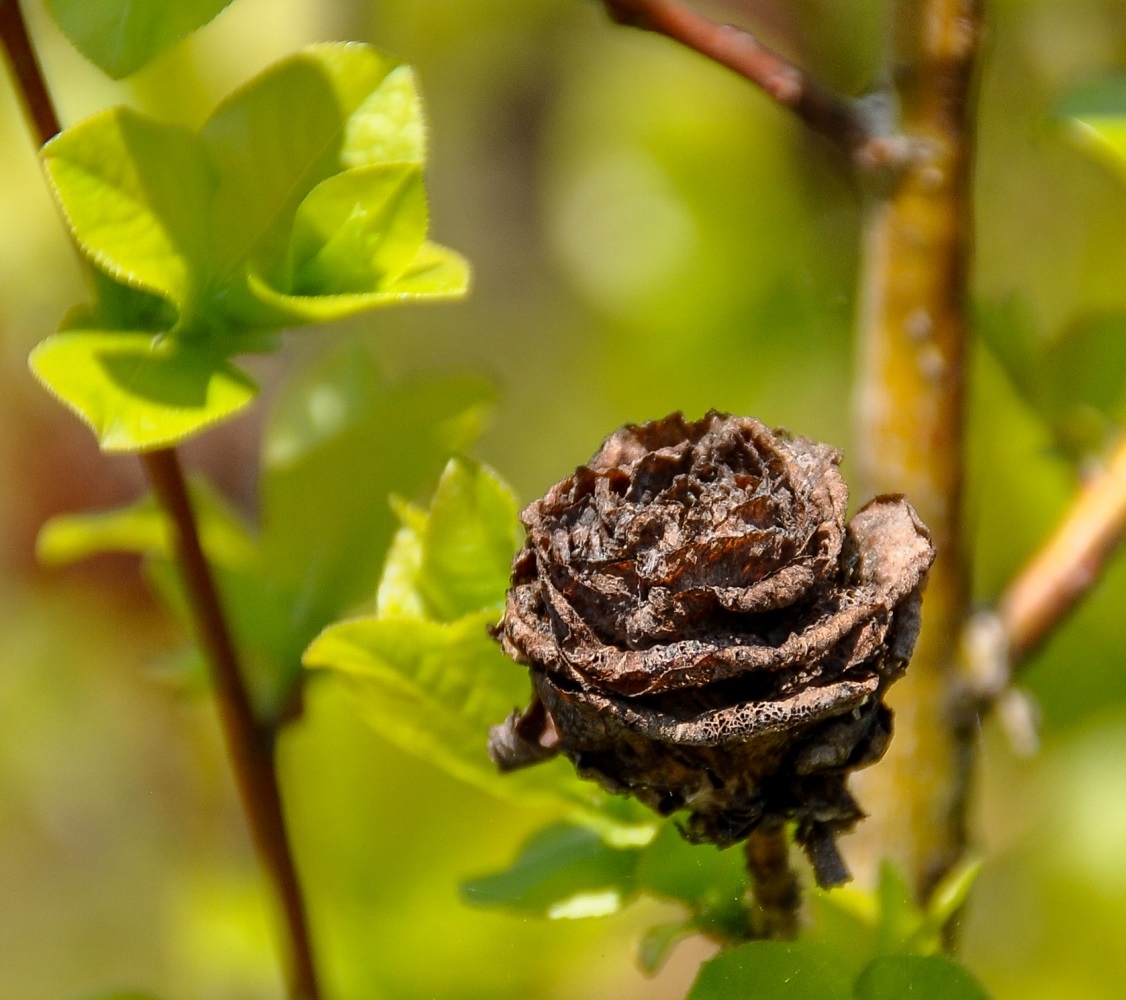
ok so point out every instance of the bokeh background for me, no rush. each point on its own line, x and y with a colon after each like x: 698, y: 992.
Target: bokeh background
x: 647, y: 234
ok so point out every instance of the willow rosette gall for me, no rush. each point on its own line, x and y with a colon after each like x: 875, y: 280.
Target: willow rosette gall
x: 704, y: 630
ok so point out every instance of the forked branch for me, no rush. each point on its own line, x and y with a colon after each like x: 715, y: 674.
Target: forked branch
x: 840, y: 119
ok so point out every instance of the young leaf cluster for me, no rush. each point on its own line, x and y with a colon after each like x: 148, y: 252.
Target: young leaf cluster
x: 299, y: 201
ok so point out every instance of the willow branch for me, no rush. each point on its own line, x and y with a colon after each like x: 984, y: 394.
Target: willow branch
x: 1053, y: 581
x: 250, y: 744
x: 838, y: 118
x: 909, y: 403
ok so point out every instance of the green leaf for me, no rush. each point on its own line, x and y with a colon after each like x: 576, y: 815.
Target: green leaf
x: 471, y: 536
x: 136, y: 193
x: 300, y: 201
x: 1072, y: 379
x: 356, y: 232
x: 773, y: 970
x: 564, y: 871
x: 433, y: 688
x: 920, y: 977
x: 435, y: 273
x: 328, y: 108
x: 137, y: 390
x: 120, y: 36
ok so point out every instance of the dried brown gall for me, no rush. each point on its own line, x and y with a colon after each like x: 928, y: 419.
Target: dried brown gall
x: 705, y: 632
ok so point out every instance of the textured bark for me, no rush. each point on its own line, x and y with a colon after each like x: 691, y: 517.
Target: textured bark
x: 909, y: 436
x: 705, y: 631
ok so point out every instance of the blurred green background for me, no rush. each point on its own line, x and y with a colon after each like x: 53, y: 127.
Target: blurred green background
x: 647, y: 234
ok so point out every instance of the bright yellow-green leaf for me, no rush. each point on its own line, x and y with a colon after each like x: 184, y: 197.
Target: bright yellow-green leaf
x: 140, y: 391
x: 136, y: 193
x: 358, y: 231
x: 434, y: 688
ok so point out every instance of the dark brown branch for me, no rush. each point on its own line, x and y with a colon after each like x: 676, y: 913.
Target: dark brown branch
x: 30, y: 86
x: 250, y: 744
x: 823, y: 110
x: 774, y: 884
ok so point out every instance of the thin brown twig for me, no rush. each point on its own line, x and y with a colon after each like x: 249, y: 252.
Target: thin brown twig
x: 250, y: 744
x: 30, y: 84
x: 821, y: 109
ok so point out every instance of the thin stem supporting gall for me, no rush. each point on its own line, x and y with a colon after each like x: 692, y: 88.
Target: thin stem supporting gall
x: 775, y: 890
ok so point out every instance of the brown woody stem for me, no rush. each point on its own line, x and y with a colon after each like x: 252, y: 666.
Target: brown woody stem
x: 250, y: 744
x: 909, y: 410
x: 821, y: 109
x: 774, y: 884
x: 1069, y: 564
x: 28, y: 77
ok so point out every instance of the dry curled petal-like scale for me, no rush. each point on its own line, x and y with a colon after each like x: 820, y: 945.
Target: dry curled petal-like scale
x: 704, y: 630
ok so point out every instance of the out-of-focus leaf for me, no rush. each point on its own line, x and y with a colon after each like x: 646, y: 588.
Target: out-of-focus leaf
x: 950, y: 895
x: 1096, y: 114
x: 120, y: 36
x: 562, y: 871
x: 1072, y: 380
x: 657, y: 944
x: 328, y: 543
x: 138, y: 391
x: 143, y: 528
x: 920, y: 977
x: 712, y: 883
x: 773, y: 970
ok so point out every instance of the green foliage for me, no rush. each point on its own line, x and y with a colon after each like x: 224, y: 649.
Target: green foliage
x: 1073, y: 380
x: 773, y: 970
x: 808, y: 970
x: 925, y: 977
x: 317, y: 553
x: 423, y: 669
x: 120, y: 36
x: 299, y: 201
x: 562, y: 871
